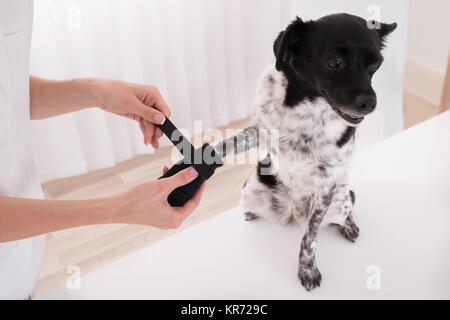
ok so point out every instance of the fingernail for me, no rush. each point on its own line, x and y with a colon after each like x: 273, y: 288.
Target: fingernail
x: 192, y: 172
x: 159, y: 119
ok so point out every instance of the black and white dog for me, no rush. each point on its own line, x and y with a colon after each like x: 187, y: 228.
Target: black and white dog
x: 315, y: 95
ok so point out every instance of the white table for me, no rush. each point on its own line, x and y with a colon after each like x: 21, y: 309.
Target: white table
x: 403, y: 210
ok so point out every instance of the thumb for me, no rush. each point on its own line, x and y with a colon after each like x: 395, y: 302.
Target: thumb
x: 182, y: 178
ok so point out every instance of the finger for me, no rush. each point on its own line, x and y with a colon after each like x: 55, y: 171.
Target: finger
x: 161, y: 104
x: 151, y: 129
x: 182, y: 178
x: 142, y: 127
x: 165, y: 169
x: 158, y: 133
x: 193, y: 203
x: 149, y: 132
x: 149, y: 114
x: 155, y: 143
x: 145, y: 132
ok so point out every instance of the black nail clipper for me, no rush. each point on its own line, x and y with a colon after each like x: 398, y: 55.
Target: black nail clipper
x: 205, y: 160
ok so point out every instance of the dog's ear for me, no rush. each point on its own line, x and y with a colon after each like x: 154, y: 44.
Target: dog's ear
x: 279, y: 51
x: 287, y: 41
x: 384, y: 30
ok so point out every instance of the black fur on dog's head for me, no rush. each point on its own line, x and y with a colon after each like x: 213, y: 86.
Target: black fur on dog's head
x: 333, y: 57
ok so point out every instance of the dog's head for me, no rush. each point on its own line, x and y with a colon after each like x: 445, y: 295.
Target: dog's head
x: 336, y: 56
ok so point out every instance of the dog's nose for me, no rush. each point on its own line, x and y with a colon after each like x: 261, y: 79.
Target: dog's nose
x: 366, y: 103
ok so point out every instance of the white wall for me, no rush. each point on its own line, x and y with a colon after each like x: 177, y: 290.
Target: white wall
x: 428, y: 48
x: 428, y: 33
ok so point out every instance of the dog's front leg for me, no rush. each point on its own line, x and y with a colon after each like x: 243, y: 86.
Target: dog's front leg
x: 308, y: 273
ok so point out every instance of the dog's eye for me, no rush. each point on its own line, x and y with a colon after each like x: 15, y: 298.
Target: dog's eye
x: 335, y: 63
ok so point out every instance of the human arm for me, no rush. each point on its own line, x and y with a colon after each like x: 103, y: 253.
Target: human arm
x: 145, y: 205
x: 142, y: 103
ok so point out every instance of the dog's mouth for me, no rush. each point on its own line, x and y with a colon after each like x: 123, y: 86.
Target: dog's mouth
x: 352, y: 119
x: 349, y: 118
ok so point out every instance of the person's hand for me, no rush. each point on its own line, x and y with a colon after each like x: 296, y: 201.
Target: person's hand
x: 135, y: 101
x: 147, y: 204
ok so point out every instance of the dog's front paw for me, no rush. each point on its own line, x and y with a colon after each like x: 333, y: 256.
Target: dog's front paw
x: 310, y: 277
x: 250, y: 216
x: 349, y: 230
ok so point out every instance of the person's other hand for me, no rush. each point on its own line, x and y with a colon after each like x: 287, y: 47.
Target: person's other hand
x: 135, y: 101
x: 147, y: 204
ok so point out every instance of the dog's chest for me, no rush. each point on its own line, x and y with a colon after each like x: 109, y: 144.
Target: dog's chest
x: 308, y: 152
